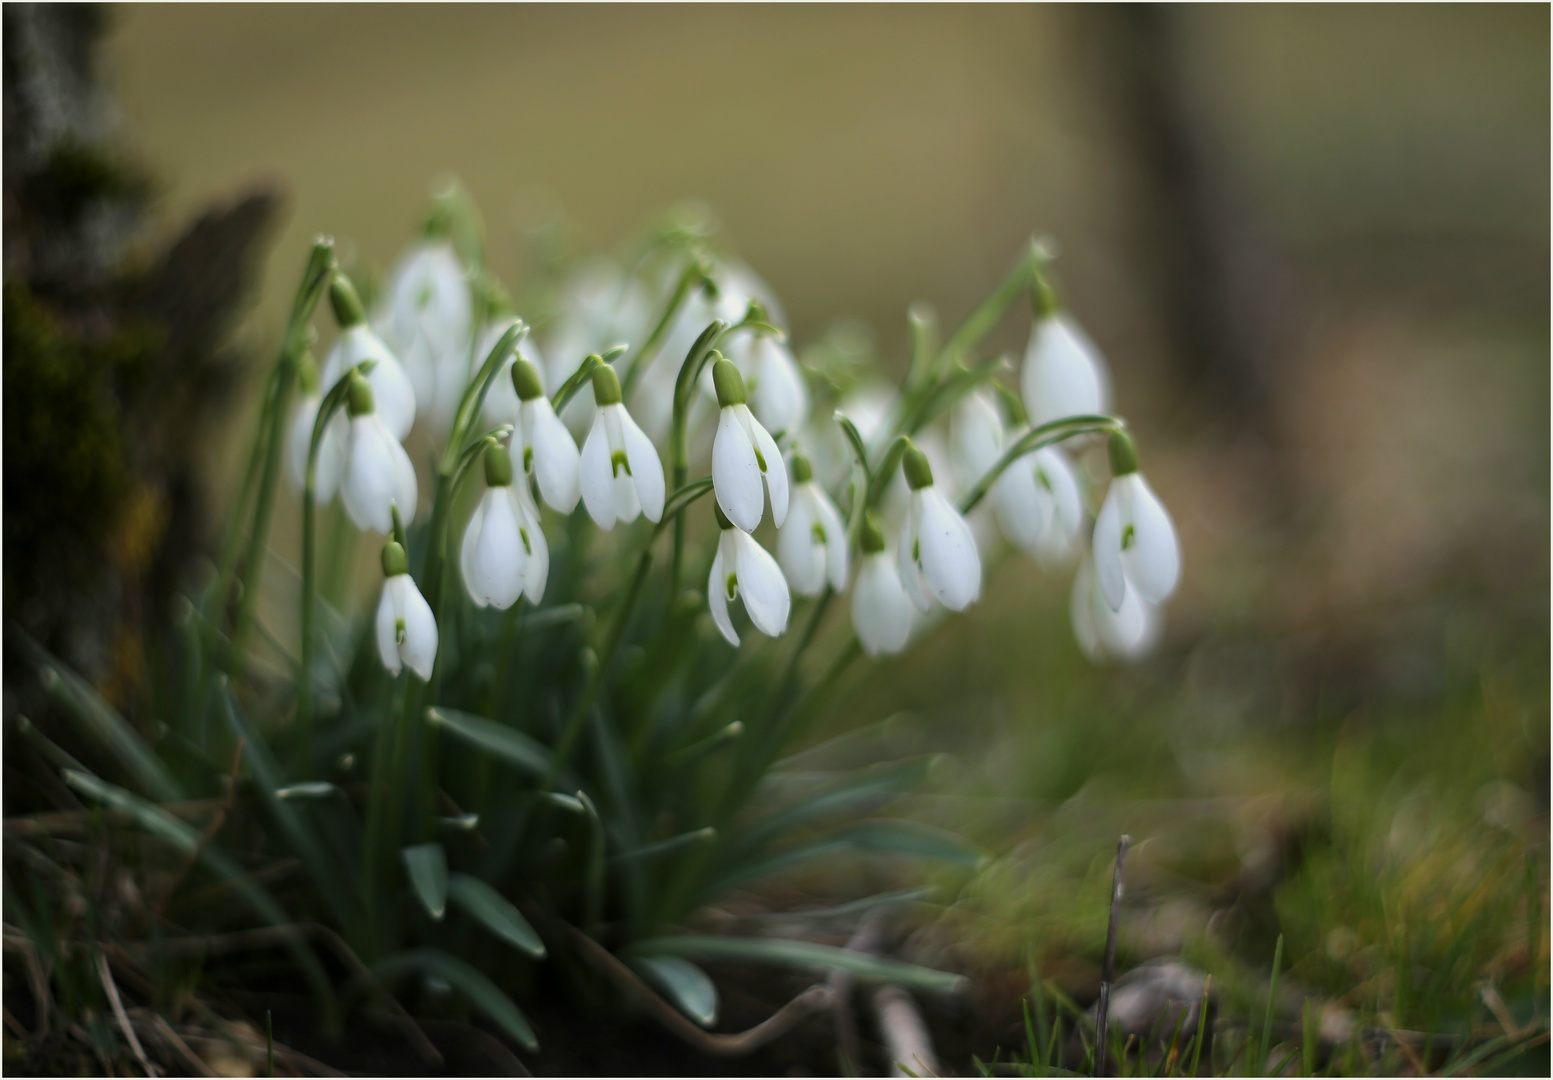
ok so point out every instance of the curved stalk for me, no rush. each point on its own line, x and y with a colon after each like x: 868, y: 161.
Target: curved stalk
x: 1054, y: 431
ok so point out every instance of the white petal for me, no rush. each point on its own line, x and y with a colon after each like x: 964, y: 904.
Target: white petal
x: 735, y: 472
x: 646, y: 468
x: 300, y: 439
x: 1081, y: 609
x: 1107, y: 544
x: 594, y: 477
x: 374, y: 475
x: 778, y: 396
x: 387, y: 616
x: 762, y: 585
x: 835, y: 539
x: 949, y: 558
x: 1054, y: 473
x: 1122, y: 632
x: 881, y: 613
x: 776, y: 467
x: 1153, y: 558
x: 419, y: 650
x: 555, y: 454
x: 331, y: 450
x: 498, y: 560
x: 393, y: 395
x: 717, y: 597
x: 1020, y: 510
x: 975, y: 438
x: 466, y: 553
x: 1061, y: 374
x: 538, y: 570
x: 406, y: 491
x: 905, y: 559
x: 801, y: 555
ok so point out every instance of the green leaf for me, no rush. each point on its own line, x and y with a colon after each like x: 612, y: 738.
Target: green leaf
x: 690, y: 988
x: 158, y: 822
x: 495, y: 912
x: 100, y: 721
x: 868, y: 837
x: 799, y: 954
x: 508, y: 744
x: 428, y: 870
x: 481, y: 992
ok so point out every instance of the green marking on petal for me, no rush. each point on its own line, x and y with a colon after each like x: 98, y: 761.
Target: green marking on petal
x: 617, y: 461
x: 1128, y: 536
x: 1042, y: 479
x: 819, y: 533
x: 398, y: 631
x: 916, y: 551
x: 424, y: 296
x: 732, y: 588
x: 760, y: 459
x: 528, y: 459
x: 527, y: 547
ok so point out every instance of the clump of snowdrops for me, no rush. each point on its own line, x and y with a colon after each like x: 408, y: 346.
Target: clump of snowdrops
x: 647, y: 549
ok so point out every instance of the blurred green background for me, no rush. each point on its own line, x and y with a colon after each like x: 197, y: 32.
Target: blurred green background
x: 1313, y: 243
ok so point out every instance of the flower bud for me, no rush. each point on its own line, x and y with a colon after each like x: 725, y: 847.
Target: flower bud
x: 498, y: 466
x: 919, y: 474
x: 606, y: 386
x: 526, y: 381
x: 1124, y: 457
x: 358, y: 395
x: 347, y: 307
x: 1043, y: 299
x: 729, y: 383
x: 395, y: 561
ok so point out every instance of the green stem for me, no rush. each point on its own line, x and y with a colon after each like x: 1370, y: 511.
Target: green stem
x: 1054, y: 431
x: 979, y: 323
x: 679, y: 450
x: 257, y: 454
x: 645, y: 356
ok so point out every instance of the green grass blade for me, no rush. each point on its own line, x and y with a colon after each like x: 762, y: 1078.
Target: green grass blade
x: 869, y: 837
x: 510, y: 745
x: 690, y: 988
x: 799, y: 954
x: 101, y: 722
x: 427, y: 866
x: 1202, y: 1023
x: 158, y: 822
x: 482, y: 993
x: 1267, y: 1019
x: 495, y: 912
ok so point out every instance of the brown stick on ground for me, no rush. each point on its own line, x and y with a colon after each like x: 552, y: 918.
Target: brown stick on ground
x: 812, y: 1000
x: 1109, y: 970
x: 111, y: 989
x: 207, y: 836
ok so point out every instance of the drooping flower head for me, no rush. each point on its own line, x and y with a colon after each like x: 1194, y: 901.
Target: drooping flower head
x: 812, y: 544
x: 331, y: 447
x: 406, y: 627
x: 742, y: 569
x: 1134, y: 540
x: 746, y: 462
x: 1126, y: 633
x: 504, y: 554
x: 881, y: 611
x: 549, y: 452
x: 391, y: 388
x: 619, y: 472
x: 378, y: 475
x: 937, y: 555
x: 427, y: 316
x: 1063, y: 374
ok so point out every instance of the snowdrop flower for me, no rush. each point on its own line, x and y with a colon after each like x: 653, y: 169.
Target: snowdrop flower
x: 619, y: 472
x: 503, y: 554
x: 501, y: 403
x: 1063, y: 374
x: 391, y: 388
x: 378, y: 475
x: 812, y: 545
x: 1038, y: 505
x: 1124, y: 634
x: 599, y: 305
x: 937, y: 555
x: 744, y: 455
x: 406, y: 628
x: 549, y: 451
x: 779, y: 398
x: 427, y: 316
x: 975, y: 438
x: 1134, y: 540
x: 881, y: 611
x: 331, y: 447
x: 742, y: 568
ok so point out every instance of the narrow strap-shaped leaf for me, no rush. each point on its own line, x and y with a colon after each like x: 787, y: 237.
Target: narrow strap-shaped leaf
x: 427, y: 866
x: 482, y: 993
x: 158, y: 822
x: 508, y: 744
x: 101, y: 722
x: 868, y: 837
x: 686, y: 985
x: 495, y: 912
x: 799, y: 954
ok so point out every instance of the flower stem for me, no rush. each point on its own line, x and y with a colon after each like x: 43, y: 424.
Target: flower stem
x: 1054, y: 431
x: 644, y: 357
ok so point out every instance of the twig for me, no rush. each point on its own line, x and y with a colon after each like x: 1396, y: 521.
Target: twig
x: 864, y: 940
x: 812, y: 1000
x: 905, y: 1035
x: 1109, y: 970
x: 205, y: 837
x: 163, y: 1030
x: 112, y: 990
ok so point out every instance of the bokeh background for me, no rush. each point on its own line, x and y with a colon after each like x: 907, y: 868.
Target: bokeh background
x: 1313, y: 243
